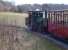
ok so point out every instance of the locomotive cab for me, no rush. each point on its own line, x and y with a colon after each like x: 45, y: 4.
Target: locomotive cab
x: 37, y: 21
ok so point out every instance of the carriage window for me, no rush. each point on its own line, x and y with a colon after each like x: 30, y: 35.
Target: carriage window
x: 59, y: 19
x: 66, y: 20
x: 63, y: 20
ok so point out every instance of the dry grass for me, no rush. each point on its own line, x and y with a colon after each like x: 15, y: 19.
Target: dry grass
x: 13, y: 39
x: 12, y: 18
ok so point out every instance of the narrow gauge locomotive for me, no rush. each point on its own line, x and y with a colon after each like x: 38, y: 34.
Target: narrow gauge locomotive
x: 54, y: 23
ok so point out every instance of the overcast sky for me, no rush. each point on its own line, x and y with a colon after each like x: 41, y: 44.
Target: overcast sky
x: 39, y: 1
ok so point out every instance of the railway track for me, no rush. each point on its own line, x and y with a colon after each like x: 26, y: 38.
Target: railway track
x: 51, y: 39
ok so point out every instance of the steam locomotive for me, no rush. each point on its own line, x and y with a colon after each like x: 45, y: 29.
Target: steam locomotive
x: 53, y: 23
